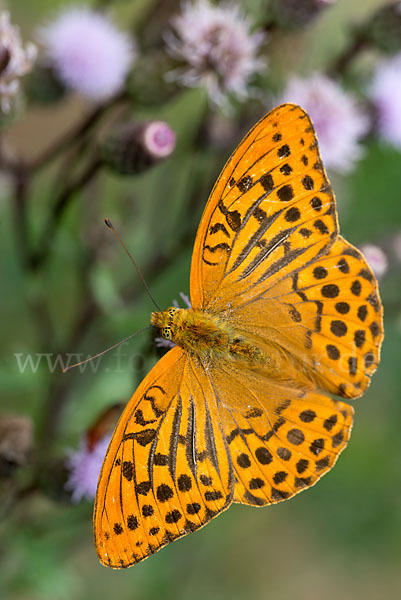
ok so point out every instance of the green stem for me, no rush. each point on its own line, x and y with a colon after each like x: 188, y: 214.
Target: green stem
x: 21, y: 184
x: 74, y: 136
x: 340, y: 65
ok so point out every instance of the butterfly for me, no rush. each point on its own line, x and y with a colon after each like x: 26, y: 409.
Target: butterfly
x: 285, y: 313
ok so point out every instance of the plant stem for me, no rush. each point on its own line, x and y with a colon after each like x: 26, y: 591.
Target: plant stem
x: 75, y: 135
x: 342, y: 62
x: 60, y: 384
x: 21, y: 183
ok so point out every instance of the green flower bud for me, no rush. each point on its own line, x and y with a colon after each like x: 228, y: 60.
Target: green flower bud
x: 42, y: 87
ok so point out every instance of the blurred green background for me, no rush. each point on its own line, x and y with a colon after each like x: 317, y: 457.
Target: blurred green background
x: 340, y: 539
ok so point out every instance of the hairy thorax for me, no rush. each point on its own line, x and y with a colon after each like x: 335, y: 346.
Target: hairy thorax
x: 205, y: 335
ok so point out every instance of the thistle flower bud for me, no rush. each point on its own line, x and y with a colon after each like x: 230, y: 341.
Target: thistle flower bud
x: 134, y: 147
x: 294, y: 14
x: 43, y: 87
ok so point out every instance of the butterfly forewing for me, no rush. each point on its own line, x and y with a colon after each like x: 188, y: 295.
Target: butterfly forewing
x: 167, y: 471
x: 283, y: 274
x: 272, y: 208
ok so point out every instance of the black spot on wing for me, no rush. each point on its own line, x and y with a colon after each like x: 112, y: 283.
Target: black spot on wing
x: 218, y: 227
x: 245, y: 184
x: 233, y: 217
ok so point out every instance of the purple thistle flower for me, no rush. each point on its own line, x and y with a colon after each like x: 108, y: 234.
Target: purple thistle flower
x: 338, y: 119
x: 376, y: 258
x: 88, y: 53
x: 162, y: 343
x: 84, y: 465
x: 218, y: 48
x: 385, y: 93
x: 185, y: 299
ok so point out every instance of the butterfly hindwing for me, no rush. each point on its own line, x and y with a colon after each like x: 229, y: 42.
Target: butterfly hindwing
x: 281, y: 439
x: 166, y: 472
x: 336, y: 301
x: 328, y: 315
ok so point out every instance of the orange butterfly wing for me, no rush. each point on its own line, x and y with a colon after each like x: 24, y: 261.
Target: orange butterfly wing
x: 166, y: 471
x: 281, y: 439
x: 269, y: 259
x: 273, y: 187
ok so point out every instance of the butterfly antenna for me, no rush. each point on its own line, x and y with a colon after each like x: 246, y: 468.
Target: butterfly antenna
x: 107, y: 350
x: 110, y: 226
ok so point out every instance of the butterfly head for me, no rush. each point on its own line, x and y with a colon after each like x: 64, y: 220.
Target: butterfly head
x: 165, y: 321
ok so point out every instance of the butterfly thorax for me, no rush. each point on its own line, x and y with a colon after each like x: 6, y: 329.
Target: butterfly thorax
x: 204, y: 334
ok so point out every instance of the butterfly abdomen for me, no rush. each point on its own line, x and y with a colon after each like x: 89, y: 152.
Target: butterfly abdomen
x: 204, y: 334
